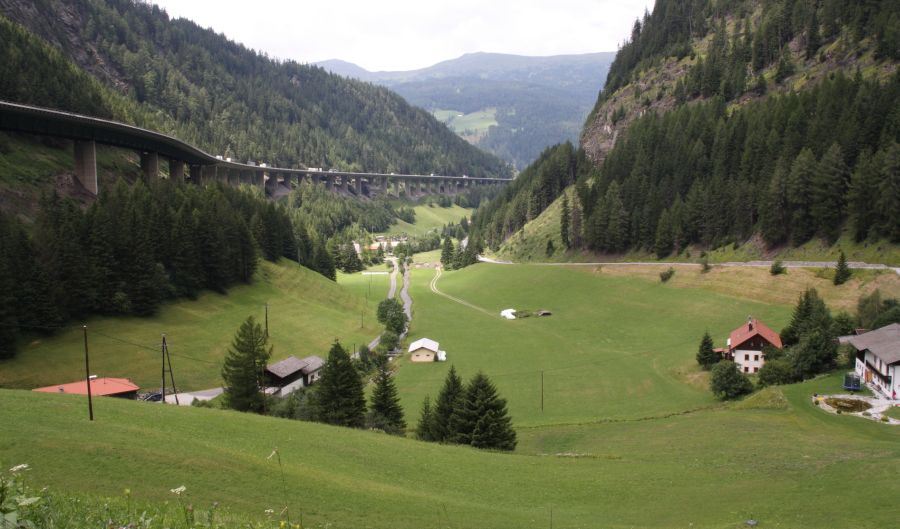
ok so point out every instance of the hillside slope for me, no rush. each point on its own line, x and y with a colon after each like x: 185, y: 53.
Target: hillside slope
x: 726, y: 124
x: 129, y: 61
x: 534, y: 101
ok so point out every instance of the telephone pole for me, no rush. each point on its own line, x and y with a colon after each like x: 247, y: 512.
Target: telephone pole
x: 166, y: 359
x: 267, y: 319
x: 87, y: 375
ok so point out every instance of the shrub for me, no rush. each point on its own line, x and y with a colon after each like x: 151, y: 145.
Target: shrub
x: 704, y: 265
x: 727, y: 382
x: 667, y: 275
x: 775, y: 372
x: 777, y: 268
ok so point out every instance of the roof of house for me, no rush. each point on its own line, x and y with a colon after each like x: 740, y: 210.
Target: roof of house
x: 424, y: 343
x: 883, y: 343
x: 313, y: 363
x: 99, y: 387
x: 286, y: 367
x: 753, y: 328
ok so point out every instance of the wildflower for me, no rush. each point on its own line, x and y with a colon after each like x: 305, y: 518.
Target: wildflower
x: 19, y: 468
x: 270, y: 511
x: 179, y: 490
x: 127, y: 492
x: 282, y: 524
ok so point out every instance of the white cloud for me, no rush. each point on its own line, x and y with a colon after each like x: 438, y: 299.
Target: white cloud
x: 409, y: 34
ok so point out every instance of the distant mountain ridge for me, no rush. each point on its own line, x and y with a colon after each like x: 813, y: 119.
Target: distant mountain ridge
x: 525, y: 103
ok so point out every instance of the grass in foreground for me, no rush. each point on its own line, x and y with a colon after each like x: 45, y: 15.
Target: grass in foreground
x: 306, y: 313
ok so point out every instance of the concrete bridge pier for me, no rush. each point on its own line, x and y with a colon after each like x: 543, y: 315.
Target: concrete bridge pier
x: 359, y: 185
x: 287, y: 180
x: 384, y: 185
x: 150, y: 165
x: 176, y: 171
x: 86, y: 165
x: 208, y: 174
x: 329, y: 182
x: 195, y: 174
x: 345, y: 184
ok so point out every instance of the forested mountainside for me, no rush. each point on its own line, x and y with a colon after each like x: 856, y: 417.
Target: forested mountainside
x: 511, y: 105
x: 127, y: 60
x: 720, y: 121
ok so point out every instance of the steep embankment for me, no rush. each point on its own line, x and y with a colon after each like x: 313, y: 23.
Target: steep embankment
x: 130, y: 61
x: 306, y: 312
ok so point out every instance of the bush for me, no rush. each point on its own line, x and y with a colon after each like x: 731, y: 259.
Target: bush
x: 704, y: 265
x: 776, y: 372
x: 727, y: 382
x: 777, y: 268
x: 667, y: 275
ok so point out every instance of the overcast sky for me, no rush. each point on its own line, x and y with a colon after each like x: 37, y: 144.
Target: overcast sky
x: 411, y: 34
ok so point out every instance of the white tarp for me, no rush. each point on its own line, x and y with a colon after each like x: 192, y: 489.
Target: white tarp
x: 509, y: 314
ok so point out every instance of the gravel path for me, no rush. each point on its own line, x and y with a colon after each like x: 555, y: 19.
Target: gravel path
x: 404, y: 296
x: 463, y: 302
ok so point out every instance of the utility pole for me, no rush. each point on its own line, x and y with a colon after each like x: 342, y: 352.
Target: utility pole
x: 168, y: 359
x: 542, y: 391
x: 267, y: 319
x: 87, y: 375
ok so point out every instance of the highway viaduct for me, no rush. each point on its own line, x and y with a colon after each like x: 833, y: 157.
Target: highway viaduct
x: 190, y: 164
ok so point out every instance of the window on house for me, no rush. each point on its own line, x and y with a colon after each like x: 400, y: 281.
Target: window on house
x: 756, y: 358
x: 756, y: 370
x: 746, y: 369
x: 746, y: 357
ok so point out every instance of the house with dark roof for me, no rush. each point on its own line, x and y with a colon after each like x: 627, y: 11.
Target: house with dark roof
x: 745, y: 345
x: 878, y: 358
x: 294, y: 372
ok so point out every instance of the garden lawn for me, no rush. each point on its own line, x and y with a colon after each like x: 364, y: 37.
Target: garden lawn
x: 306, y: 313
x: 430, y: 218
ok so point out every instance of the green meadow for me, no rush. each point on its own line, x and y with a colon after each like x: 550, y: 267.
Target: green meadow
x: 430, y: 218
x: 306, y: 313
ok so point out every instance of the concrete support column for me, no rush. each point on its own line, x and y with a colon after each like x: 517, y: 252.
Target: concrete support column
x: 384, y: 185
x: 86, y: 165
x: 176, y: 171
x: 345, y: 184
x: 359, y: 190
x: 196, y: 171
x: 150, y: 165
x: 329, y: 182
x: 209, y: 174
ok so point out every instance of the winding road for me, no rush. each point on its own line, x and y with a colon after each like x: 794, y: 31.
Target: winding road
x: 404, y: 296
x: 433, y: 285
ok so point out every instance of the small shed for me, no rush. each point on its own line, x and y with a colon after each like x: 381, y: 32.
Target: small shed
x: 509, y: 314
x: 295, y: 371
x: 425, y: 350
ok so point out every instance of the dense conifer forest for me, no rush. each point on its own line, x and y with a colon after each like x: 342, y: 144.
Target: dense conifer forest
x: 129, y: 61
x: 734, y: 158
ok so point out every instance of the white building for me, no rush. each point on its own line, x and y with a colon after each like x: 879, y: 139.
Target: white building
x: 746, y: 343
x: 878, y: 358
x: 425, y: 350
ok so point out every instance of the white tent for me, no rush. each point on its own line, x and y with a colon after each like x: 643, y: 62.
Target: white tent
x: 509, y: 314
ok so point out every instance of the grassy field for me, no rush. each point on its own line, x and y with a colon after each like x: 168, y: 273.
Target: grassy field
x: 629, y: 436
x: 306, y: 313
x: 475, y: 123
x: 429, y: 218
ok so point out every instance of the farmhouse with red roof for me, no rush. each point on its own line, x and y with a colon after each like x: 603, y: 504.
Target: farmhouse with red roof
x: 745, y: 345
x: 100, y: 387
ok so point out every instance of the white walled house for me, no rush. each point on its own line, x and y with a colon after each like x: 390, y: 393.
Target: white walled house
x: 746, y: 343
x: 425, y: 350
x: 878, y: 358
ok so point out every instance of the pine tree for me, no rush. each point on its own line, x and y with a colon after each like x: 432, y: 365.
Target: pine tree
x: 481, y: 418
x: 889, y: 198
x: 842, y: 271
x: 244, y: 368
x: 863, y: 196
x: 447, y: 254
x: 448, y: 400
x: 706, y: 356
x: 813, y: 38
x: 827, y: 189
x: 810, y: 314
x: 799, y: 185
x: 324, y: 264
x: 339, y: 395
x: 564, y: 222
x: 425, y: 428
x: 385, y: 410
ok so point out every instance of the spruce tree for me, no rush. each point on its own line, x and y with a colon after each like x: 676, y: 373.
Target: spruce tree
x: 706, y: 356
x: 842, y: 271
x: 425, y: 428
x: 799, y: 192
x: 339, y: 394
x: 481, y: 418
x: 244, y: 369
x: 447, y: 253
x: 385, y: 410
x: 827, y: 189
x: 448, y: 400
x: 809, y: 315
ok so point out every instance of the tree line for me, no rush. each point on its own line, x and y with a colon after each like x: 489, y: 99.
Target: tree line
x: 136, y: 247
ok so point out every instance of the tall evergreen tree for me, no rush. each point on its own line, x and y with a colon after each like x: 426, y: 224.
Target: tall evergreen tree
x: 810, y: 314
x: 799, y: 188
x: 447, y: 253
x: 385, y: 410
x: 842, y: 271
x: 425, y: 427
x: 448, y: 400
x: 481, y: 418
x: 339, y: 396
x: 827, y: 190
x: 564, y: 222
x: 706, y: 356
x: 244, y: 369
